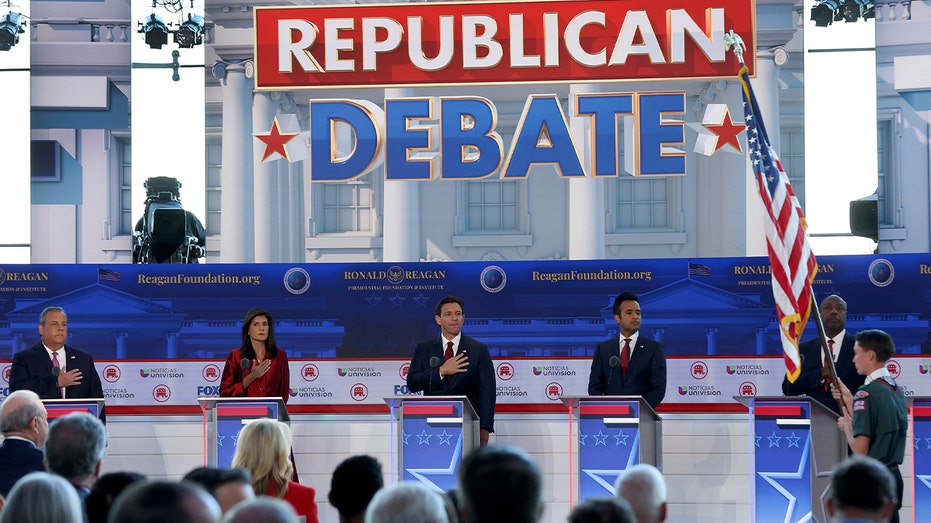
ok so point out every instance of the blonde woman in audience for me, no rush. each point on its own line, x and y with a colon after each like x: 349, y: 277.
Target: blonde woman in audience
x: 263, y: 449
x: 40, y: 497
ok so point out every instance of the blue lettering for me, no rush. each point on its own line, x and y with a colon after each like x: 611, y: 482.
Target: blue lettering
x: 542, y: 137
x: 654, y: 157
x: 471, y: 147
x: 208, y: 390
x: 401, y: 389
x: 404, y: 138
x: 325, y: 162
x: 604, y: 110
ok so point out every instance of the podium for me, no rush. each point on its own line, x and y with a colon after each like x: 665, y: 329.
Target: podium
x: 794, y: 444
x: 429, y: 437
x: 57, y: 408
x: 225, y: 417
x: 607, y: 435
x: 920, y: 408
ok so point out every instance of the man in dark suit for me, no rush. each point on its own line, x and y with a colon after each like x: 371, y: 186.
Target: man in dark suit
x: 630, y: 365
x: 453, y: 364
x: 814, y: 379
x: 24, y: 423
x: 33, y: 368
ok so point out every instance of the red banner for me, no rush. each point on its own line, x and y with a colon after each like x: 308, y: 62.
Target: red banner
x: 497, y: 42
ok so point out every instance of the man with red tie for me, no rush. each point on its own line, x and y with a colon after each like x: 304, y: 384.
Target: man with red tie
x: 814, y: 377
x: 453, y: 364
x: 34, y: 368
x: 632, y: 364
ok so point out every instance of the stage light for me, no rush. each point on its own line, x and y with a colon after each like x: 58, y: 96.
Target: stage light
x: 822, y: 14
x: 191, y: 32
x: 155, y: 31
x: 11, y: 26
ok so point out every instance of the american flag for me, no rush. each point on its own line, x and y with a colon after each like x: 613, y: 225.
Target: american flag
x: 793, y: 264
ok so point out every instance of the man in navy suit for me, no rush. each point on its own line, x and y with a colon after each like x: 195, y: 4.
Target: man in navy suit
x: 32, y: 368
x: 24, y: 423
x: 814, y: 379
x: 630, y: 365
x: 453, y: 364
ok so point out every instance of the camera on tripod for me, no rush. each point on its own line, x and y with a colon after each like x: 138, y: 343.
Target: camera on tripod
x: 167, y: 233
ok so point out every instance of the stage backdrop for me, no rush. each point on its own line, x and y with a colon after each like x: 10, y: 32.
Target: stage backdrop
x: 160, y: 333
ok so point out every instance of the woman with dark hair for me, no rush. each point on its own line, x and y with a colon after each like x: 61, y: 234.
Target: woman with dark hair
x: 258, y: 368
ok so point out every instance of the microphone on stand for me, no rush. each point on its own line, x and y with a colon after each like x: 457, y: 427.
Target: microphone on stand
x: 434, y: 363
x: 245, y: 364
x: 56, y: 371
x: 613, y: 363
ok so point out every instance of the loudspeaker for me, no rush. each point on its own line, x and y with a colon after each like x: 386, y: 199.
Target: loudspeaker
x: 864, y: 217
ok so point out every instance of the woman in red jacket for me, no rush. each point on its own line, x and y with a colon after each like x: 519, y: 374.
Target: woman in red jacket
x: 258, y: 368
x: 262, y: 449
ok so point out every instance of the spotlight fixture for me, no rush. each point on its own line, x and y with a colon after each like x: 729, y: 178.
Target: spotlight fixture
x: 11, y: 26
x: 191, y: 32
x: 826, y: 12
x: 155, y: 31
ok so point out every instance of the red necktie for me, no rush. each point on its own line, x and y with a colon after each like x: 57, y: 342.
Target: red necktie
x: 827, y: 381
x: 830, y: 350
x: 56, y: 363
x: 449, y: 351
x: 625, y: 357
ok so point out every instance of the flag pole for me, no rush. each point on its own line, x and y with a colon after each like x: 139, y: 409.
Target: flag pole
x: 733, y: 40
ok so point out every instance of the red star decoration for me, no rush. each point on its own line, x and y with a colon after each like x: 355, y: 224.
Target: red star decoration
x: 275, y: 141
x: 726, y: 132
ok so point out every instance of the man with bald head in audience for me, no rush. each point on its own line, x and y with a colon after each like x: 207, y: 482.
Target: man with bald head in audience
x: 24, y: 424
x: 644, y: 488
x: 165, y: 502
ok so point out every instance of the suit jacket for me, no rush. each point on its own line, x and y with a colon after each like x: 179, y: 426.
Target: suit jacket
x: 301, y: 497
x: 477, y: 382
x: 32, y: 370
x: 809, y: 381
x: 646, y: 372
x: 17, y: 458
x: 275, y: 382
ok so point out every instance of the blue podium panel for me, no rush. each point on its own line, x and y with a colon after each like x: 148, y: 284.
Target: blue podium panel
x: 781, y: 433
x: 430, y: 435
x: 224, y: 419
x: 921, y: 454
x: 59, y: 407
x: 609, y: 443
x: 230, y: 419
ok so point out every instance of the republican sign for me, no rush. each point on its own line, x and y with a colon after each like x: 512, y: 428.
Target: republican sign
x: 455, y: 43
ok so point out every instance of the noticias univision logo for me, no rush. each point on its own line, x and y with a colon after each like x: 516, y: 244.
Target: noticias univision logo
x: 924, y: 369
x: 292, y: 392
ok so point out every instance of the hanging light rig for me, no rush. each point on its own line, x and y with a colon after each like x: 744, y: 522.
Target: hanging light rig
x: 186, y: 32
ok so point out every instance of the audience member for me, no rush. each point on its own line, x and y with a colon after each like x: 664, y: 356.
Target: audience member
x: 24, y: 424
x: 355, y: 481
x: 262, y: 509
x: 602, y: 510
x: 75, y: 448
x: 407, y: 503
x: 165, y: 502
x: 862, y: 489
x: 500, y: 483
x: 105, y: 491
x: 263, y: 449
x: 40, y: 497
x: 228, y: 486
x: 644, y: 488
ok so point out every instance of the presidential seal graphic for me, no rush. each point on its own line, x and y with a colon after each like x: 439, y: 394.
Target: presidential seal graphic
x: 395, y: 274
x: 493, y: 278
x: 297, y: 280
x: 881, y: 272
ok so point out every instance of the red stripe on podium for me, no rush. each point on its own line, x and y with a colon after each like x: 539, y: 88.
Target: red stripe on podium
x: 604, y: 410
x: 429, y: 410
x: 921, y: 411
x: 778, y: 411
x: 243, y: 411
x: 57, y: 412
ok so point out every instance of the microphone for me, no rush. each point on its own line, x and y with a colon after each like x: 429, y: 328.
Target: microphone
x: 434, y: 363
x: 245, y: 364
x: 613, y: 363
